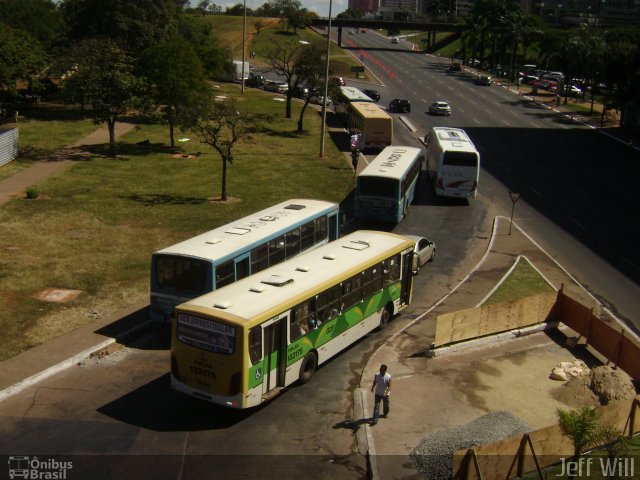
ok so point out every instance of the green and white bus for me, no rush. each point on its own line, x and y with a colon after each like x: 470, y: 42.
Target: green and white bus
x: 241, y: 345
x: 385, y: 188
x: 231, y: 252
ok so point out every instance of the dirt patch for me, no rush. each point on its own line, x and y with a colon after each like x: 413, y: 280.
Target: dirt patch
x: 59, y: 295
x: 218, y: 200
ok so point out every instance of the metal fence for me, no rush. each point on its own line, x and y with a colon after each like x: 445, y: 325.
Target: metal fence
x: 8, y: 145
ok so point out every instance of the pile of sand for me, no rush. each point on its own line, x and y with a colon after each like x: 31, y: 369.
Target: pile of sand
x: 602, y: 385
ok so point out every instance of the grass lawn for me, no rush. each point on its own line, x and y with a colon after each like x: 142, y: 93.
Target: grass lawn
x: 524, y: 280
x: 95, y: 227
x: 43, y: 130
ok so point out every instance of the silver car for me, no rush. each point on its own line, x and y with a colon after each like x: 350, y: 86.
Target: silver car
x: 440, y: 108
x: 424, y: 251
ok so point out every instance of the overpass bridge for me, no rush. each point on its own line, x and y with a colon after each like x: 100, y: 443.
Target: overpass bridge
x: 430, y: 27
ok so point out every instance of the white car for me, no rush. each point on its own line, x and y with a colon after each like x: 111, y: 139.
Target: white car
x: 395, y: 40
x: 317, y: 100
x: 440, y: 108
x: 276, y: 87
x: 424, y: 251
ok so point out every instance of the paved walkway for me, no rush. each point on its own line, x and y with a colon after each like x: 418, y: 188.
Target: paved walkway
x: 17, y: 184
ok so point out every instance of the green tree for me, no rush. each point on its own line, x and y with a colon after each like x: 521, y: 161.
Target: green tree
x: 176, y: 75
x: 219, y: 125
x: 581, y: 427
x: 132, y: 24
x: 21, y: 57
x: 104, y: 77
x: 39, y: 18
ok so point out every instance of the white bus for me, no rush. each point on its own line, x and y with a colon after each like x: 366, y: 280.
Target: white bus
x: 372, y: 122
x: 221, y: 256
x: 241, y: 345
x: 385, y: 188
x: 453, y: 162
x: 345, y: 98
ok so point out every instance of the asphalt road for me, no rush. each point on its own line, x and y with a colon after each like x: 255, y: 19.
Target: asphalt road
x: 576, y: 185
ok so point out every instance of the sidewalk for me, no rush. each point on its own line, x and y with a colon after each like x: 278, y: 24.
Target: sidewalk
x: 391, y: 441
x: 16, y: 185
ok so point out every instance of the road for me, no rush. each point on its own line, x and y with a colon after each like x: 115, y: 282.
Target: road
x: 576, y: 185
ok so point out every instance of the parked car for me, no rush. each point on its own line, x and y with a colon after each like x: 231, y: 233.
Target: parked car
x: 455, y: 67
x: 528, y: 79
x: 395, y: 40
x: 440, y: 108
x: 338, y: 81
x: 372, y: 94
x: 300, y: 92
x: 276, y: 87
x: 423, y: 251
x: 256, y: 81
x: 317, y: 99
x: 399, y: 105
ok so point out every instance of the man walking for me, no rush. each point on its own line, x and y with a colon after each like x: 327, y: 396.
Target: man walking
x: 382, y: 386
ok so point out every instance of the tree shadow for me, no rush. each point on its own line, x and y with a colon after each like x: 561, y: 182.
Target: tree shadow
x: 154, y: 199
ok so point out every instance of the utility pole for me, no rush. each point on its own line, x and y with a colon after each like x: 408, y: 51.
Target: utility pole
x: 326, y: 86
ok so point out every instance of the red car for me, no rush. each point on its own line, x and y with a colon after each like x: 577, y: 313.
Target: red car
x: 338, y: 81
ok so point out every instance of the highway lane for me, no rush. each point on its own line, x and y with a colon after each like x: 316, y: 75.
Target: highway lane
x: 577, y: 186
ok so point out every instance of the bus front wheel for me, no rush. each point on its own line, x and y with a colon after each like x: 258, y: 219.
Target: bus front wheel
x: 308, y: 367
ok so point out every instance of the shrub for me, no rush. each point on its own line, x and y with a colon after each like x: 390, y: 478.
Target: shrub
x: 32, y: 193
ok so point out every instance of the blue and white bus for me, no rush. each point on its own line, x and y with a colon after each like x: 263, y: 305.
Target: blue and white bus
x: 241, y: 248
x: 385, y: 188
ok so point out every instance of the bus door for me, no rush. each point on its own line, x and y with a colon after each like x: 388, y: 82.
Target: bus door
x: 242, y: 266
x: 407, y: 278
x: 275, y: 356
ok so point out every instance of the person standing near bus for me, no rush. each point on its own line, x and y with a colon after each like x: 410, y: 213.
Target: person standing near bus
x: 382, y: 387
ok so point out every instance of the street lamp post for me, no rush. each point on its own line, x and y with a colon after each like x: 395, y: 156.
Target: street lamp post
x: 326, y: 86
x: 244, y: 34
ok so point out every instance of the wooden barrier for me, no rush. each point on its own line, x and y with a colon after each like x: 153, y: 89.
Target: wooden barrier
x: 533, y: 451
x: 489, y: 319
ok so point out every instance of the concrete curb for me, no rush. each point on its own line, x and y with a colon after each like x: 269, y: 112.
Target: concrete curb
x: 38, y: 377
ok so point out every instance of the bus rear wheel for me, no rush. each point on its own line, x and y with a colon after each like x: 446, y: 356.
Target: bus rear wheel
x: 385, y: 318
x: 308, y: 367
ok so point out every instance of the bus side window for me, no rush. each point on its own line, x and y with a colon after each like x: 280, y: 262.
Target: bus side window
x: 391, y: 270
x: 225, y: 274
x: 321, y: 229
x: 352, y: 291
x: 292, y: 243
x: 307, y: 235
x: 255, y: 344
x: 259, y: 258
x: 276, y: 250
x: 371, y: 281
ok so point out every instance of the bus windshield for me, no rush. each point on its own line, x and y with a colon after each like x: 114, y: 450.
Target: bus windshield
x: 182, y: 273
x: 379, y: 187
x: 460, y: 159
